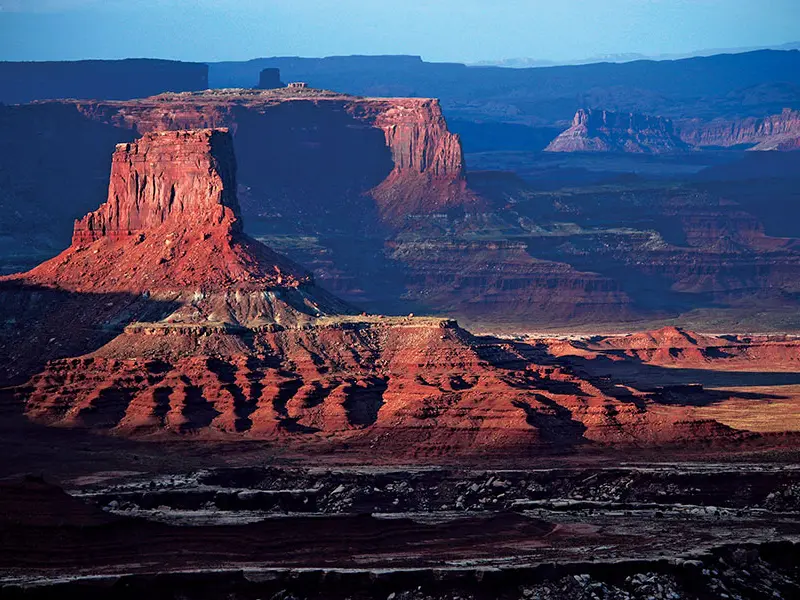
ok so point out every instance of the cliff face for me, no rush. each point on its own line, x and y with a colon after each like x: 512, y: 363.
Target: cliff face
x: 604, y: 131
x: 98, y: 79
x: 422, y: 173
x: 429, y: 174
x: 171, y: 222
x: 370, y: 194
x: 167, y: 176
x: 775, y: 132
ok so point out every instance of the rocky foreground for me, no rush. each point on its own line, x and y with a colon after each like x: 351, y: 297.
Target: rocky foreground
x: 628, y: 532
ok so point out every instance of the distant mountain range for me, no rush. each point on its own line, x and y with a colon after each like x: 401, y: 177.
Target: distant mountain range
x: 623, y: 57
x: 748, y: 84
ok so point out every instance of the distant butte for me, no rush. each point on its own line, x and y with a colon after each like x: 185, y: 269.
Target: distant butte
x: 606, y: 131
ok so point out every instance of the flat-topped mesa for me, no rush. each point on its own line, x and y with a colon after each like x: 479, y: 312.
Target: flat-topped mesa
x: 605, y: 131
x: 185, y: 178
x: 774, y: 132
x: 425, y: 173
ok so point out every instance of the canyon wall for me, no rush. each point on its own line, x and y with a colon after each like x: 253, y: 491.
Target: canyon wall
x: 165, y: 176
x: 315, y: 159
x: 775, y: 132
x: 422, y: 173
x: 372, y: 196
x: 246, y: 344
x: 605, y: 131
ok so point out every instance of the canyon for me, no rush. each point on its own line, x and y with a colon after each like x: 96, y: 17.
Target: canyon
x: 375, y: 198
x: 292, y: 343
x: 198, y: 329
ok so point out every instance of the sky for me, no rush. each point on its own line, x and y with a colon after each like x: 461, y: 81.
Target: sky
x: 437, y: 30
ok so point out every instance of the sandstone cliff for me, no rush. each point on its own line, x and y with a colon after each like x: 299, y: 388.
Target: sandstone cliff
x: 429, y: 174
x: 171, y: 222
x: 167, y: 176
x: 423, y: 173
x: 775, y: 132
x: 370, y: 194
x: 197, y: 329
x: 605, y: 131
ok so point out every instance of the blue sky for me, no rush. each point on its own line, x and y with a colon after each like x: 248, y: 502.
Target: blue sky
x: 439, y: 30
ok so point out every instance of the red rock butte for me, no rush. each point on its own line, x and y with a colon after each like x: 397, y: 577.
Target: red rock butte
x: 171, y: 222
x: 187, y: 178
x: 606, y: 131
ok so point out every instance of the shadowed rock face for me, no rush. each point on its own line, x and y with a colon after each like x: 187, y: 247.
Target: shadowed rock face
x: 605, y: 131
x: 319, y: 160
x: 170, y: 223
x: 426, y: 173
x: 371, y: 195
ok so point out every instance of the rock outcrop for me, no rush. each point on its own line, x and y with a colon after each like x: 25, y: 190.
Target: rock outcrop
x: 371, y: 195
x: 269, y: 79
x: 775, y: 132
x: 182, y: 178
x: 423, y: 171
x: 429, y: 174
x: 605, y: 131
x: 171, y: 222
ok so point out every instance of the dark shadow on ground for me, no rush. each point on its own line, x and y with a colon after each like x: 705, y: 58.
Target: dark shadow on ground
x: 38, y: 324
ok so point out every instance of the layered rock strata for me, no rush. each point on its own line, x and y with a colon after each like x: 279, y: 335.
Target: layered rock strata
x: 207, y: 332
x: 774, y: 132
x: 426, y: 173
x: 606, y: 131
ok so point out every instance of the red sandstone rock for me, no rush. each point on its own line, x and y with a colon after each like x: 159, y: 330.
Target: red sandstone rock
x: 187, y: 177
x: 775, y: 132
x: 428, y: 174
x: 320, y: 165
x: 247, y: 345
x: 171, y: 223
x: 605, y: 131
